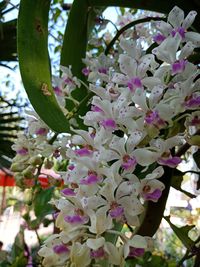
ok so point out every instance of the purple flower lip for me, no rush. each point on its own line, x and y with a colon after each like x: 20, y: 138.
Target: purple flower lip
x: 22, y: 151
x: 171, y: 161
x: 109, y: 124
x: 159, y: 38
x: 59, y: 249
x: 96, y: 254
x: 76, y: 219
x: 91, y: 179
x: 71, y: 167
x: 86, y: 71
x: 153, y: 118
x: 57, y: 91
x: 68, y: 192
x: 83, y: 152
x: 103, y: 70
x: 178, y: 66
x: 193, y: 101
x: 117, y: 212
x: 195, y: 121
x: 41, y: 131
x: 96, y: 109
x: 136, y: 252
x: 155, y: 195
x: 55, y: 215
x: 128, y: 162
x: 180, y: 30
x: 134, y: 83
x: 69, y: 81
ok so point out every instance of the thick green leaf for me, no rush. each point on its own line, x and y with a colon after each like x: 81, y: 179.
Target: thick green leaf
x: 40, y: 203
x: 182, y: 234
x: 34, y: 62
x: 176, y: 182
x: 74, y: 50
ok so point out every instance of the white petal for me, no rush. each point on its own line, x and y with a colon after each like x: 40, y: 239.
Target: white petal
x: 95, y: 243
x: 115, y: 254
x: 139, y: 98
x: 128, y: 65
x: 186, y: 50
x: 157, y: 173
x: 194, y: 37
x: 145, y: 157
x: 176, y: 17
x: 119, y: 78
x: 138, y: 242
x: 164, y: 27
x: 189, y: 19
x: 167, y: 50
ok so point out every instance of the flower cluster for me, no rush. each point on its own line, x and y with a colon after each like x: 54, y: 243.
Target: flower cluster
x: 115, y: 166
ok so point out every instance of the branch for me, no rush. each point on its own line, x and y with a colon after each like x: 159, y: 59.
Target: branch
x: 126, y: 27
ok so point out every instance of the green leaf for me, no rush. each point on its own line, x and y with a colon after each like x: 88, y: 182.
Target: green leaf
x: 74, y: 50
x: 40, y: 203
x: 34, y: 62
x: 182, y: 233
x: 176, y: 182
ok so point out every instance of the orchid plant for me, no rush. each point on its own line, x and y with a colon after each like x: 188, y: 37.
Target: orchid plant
x: 143, y: 116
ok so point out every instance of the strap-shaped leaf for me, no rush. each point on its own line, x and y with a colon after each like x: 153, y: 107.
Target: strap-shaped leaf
x: 182, y: 233
x: 34, y: 62
x: 80, y: 24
